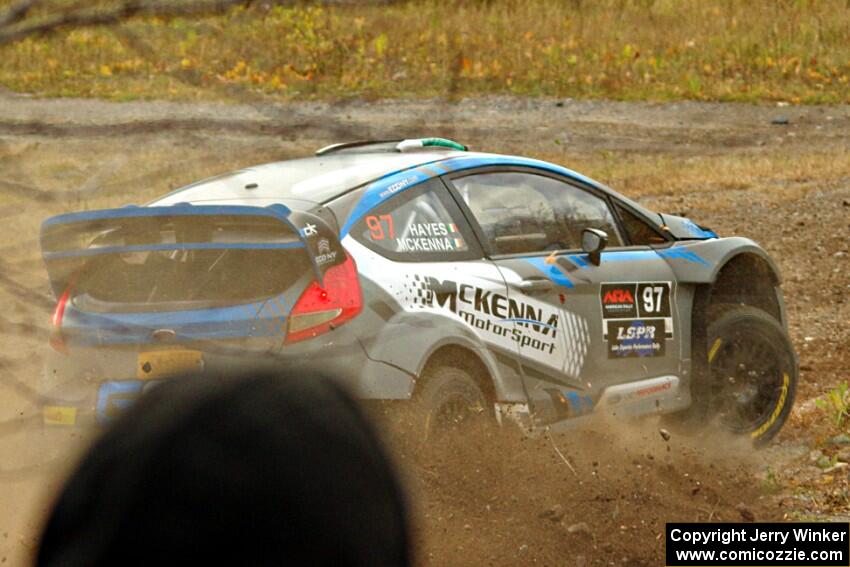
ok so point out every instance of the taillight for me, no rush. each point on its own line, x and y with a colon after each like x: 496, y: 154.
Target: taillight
x: 323, y: 308
x: 57, y: 339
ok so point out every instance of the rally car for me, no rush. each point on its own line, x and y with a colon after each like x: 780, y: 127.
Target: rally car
x: 470, y: 283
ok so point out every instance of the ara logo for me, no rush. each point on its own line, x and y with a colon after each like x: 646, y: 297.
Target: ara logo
x: 618, y: 296
x: 618, y: 300
x: 491, y: 312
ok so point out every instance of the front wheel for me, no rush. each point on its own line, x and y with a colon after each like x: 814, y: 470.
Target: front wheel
x: 752, y: 374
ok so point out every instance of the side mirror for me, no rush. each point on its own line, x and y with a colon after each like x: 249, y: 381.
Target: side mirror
x: 593, y: 242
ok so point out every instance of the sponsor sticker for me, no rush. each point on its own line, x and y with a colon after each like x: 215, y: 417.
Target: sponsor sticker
x: 491, y: 312
x: 653, y: 299
x: 635, y: 300
x: 396, y: 187
x: 309, y: 230
x: 629, y: 301
x: 618, y: 301
x: 324, y: 254
x: 635, y: 338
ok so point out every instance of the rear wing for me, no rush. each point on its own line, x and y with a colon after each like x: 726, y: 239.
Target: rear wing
x: 70, y: 241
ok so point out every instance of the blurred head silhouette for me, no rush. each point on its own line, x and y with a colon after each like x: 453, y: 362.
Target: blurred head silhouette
x: 255, y: 470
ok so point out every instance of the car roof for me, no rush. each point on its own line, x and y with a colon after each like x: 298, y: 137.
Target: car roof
x: 314, y: 179
x: 306, y: 182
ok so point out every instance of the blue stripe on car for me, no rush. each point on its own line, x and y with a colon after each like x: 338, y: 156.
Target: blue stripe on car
x: 639, y: 255
x: 551, y: 271
x: 697, y: 231
x: 680, y: 254
x: 530, y: 322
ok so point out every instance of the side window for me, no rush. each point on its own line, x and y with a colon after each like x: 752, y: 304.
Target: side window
x: 418, y: 225
x: 524, y: 213
x: 640, y: 233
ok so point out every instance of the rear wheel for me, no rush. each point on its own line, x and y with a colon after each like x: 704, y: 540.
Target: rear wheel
x: 751, y: 376
x: 450, y: 400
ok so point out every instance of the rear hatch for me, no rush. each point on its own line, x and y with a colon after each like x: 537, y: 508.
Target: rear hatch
x: 186, y: 273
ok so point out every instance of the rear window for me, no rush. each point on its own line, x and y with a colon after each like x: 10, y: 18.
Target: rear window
x: 174, y: 262
x: 187, y: 279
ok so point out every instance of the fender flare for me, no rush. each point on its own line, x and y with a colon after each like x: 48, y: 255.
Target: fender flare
x: 700, y: 261
x: 451, y: 333
x: 751, y: 249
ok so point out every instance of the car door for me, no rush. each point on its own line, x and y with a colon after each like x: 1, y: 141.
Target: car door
x: 426, y: 275
x: 584, y: 327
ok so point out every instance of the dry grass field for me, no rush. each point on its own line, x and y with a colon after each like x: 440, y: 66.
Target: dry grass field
x: 727, y: 50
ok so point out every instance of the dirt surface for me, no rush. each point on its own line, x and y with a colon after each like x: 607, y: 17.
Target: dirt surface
x: 495, y: 498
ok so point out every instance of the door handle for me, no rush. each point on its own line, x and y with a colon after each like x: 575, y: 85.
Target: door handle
x: 535, y: 285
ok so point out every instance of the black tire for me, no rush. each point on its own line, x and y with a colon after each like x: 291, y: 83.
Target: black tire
x: 750, y: 380
x: 450, y: 400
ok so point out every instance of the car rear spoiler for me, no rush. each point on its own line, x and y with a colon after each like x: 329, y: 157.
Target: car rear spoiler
x: 68, y: 241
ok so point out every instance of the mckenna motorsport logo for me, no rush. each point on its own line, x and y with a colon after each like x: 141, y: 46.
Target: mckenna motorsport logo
x: 490, y: 311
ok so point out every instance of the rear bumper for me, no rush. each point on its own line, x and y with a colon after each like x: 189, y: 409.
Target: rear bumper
x: 93, y: 385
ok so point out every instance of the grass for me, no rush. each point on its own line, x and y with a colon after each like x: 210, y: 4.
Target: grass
x: 729, y: 50
x: 836, y: 403
x: 771, y: 177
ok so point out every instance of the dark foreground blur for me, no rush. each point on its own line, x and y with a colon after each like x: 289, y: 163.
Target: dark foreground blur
x: 252, y: 470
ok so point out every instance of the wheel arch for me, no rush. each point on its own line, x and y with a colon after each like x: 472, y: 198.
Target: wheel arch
x: 749, y: 279
x: 464, y: 355
x: 724, y: 270
x: 747, y: 276
x: 732, y: 270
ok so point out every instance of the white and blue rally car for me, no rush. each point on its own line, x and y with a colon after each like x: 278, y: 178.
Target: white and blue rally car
x: 415, y: 269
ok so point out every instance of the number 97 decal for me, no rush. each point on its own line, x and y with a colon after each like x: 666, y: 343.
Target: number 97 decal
x: 654, y: 299
x: 376, y: 224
